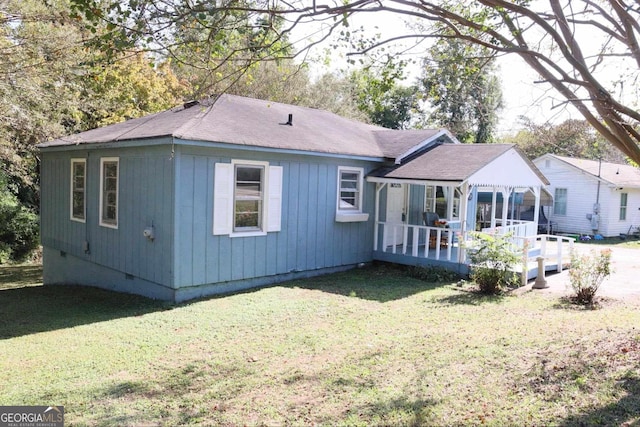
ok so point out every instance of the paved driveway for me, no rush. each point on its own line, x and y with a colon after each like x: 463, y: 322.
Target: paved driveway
x: 624, y: 282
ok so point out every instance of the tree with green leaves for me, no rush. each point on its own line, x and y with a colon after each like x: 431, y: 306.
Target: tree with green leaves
x: 462, y: 88
x: 384, y: 101
x: 571, y: 138
x: 53, y: 84
x: 570, y: 44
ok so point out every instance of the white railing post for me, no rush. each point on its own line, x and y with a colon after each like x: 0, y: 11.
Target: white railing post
x: 405, y: 233
x: 416, y: 242
x: 559, y: 255
x: 393, y: 246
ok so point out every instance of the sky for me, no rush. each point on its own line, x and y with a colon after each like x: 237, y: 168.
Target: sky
x: 521, y: 96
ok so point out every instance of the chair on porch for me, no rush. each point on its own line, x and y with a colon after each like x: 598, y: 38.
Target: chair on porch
x: 432, y: 219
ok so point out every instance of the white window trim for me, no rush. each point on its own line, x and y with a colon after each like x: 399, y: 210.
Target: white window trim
x: 224, y: 210
x: 624, y: 207
x: 566, y: 200
x: 104, y: 160
x: 71, y: 186
x: 351, y: 215
x: 265, y: 208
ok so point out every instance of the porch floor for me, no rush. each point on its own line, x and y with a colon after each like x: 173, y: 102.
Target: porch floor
x: 442, y: 258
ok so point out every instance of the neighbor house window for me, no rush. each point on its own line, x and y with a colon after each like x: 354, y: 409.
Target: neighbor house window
x: 623, y: 206
x: 78, y: 189
x: 560, y: 201
x: 109, y: 192
x: 349, y: 202
x: 247, y: 198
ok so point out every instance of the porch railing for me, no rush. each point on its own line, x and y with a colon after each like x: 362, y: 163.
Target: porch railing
x: 521, y: 231
x: 418, y: 240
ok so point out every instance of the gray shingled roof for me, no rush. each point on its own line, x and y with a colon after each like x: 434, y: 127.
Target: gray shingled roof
x: 617, y: 174
x: 252, y: 122
x: 446, y: 162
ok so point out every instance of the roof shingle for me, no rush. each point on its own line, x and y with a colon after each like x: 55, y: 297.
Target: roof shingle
x: 247, y: 121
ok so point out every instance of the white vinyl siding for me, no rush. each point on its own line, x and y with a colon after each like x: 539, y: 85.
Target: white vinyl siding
x: 78, y: 190
x: 109, y: 170
x: 247, y: 199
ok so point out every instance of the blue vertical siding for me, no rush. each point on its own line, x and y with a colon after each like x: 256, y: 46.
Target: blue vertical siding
x: 173, y: 191
x: 145, y: 198
x: 309, y: 239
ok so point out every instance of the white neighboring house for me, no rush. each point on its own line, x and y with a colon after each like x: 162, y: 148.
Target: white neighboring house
x: 592, y: 197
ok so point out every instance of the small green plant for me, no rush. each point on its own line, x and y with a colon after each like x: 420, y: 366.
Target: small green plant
x: 587, y: 273
x: 493, y: 259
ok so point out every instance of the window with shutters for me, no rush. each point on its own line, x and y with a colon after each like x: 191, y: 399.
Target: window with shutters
x: 247, y: 199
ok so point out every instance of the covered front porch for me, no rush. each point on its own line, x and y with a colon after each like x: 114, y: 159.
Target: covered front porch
x: 426, y: 207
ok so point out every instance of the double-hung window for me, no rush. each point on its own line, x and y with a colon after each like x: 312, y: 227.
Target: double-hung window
x: 349, y: 203
x: 78, y: 189
x: 623, y: 206
x: 247, y: 198
x: 109, y: 192
x: 560, y: 201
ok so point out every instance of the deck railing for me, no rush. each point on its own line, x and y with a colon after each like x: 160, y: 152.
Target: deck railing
x: 418, y: 240
x: 446, y: 244
x: 551, y: 247
x: 522, y: 232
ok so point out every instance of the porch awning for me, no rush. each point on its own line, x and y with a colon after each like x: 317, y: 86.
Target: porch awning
x: 476, y: 164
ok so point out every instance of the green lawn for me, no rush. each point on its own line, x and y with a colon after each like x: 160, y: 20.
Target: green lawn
x: 367, y: 347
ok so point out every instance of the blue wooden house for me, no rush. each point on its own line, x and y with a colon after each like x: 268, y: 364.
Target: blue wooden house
x: 231, y: 193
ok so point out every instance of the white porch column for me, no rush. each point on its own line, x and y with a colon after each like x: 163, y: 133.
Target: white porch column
x: 506, y: 193
x: 536, y: 209
x: 450, y: 196
x: 379, y: 188
x: 494, y: 201
x: 464, y: 206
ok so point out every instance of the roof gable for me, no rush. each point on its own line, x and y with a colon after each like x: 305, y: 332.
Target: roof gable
x: 477, y: 164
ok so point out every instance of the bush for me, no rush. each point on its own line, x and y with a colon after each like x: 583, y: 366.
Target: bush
x: 493, y: 259
x: 433, y: 274
x: 587, y: 273
x: 19, y: 232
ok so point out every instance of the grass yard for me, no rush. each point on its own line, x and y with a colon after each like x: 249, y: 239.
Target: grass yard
x: 366, y: 347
